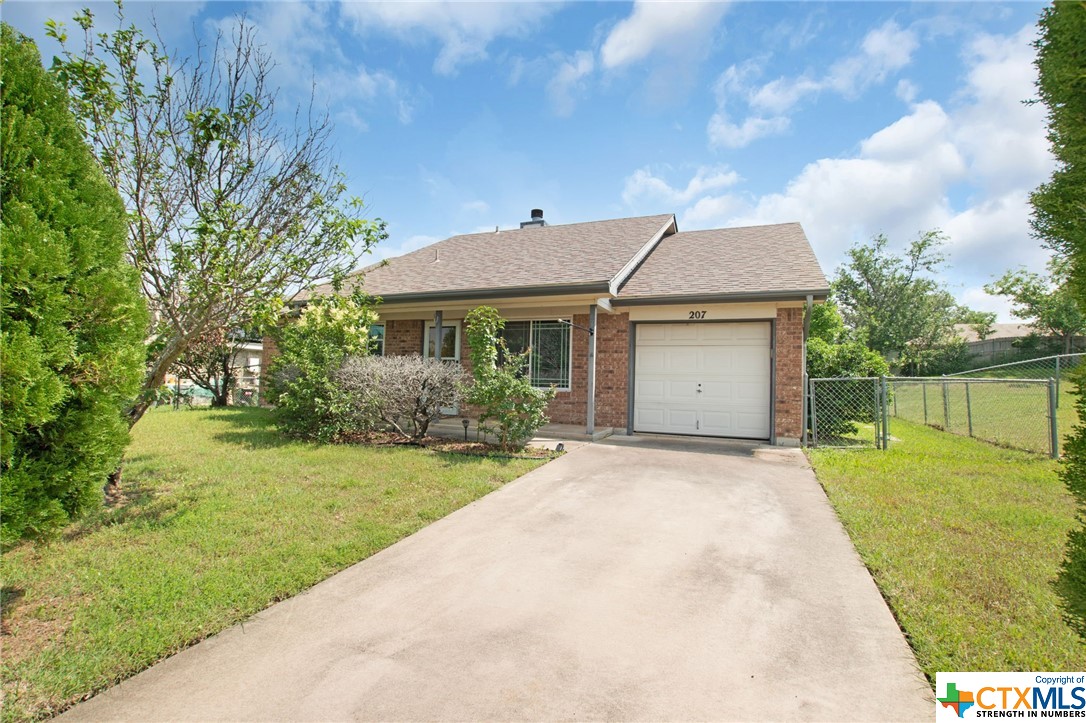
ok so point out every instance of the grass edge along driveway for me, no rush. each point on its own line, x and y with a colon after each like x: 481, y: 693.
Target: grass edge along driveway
x: 963, y: 539
x: 225, y: 518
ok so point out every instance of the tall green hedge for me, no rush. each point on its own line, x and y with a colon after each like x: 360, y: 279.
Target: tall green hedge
x: 72, y: 320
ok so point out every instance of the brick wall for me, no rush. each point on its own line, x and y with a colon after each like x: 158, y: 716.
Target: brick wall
x: 788, y: 405
x: 612, y: 370
x: 403, y: 337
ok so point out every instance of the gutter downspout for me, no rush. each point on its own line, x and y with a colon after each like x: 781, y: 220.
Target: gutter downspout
x: 590, y: 416
x: 806, y: 333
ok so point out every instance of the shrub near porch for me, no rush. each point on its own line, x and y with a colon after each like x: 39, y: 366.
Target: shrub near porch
x: 225, y: 518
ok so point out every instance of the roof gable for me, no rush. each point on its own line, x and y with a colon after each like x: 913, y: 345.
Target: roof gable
x: 750, y: 260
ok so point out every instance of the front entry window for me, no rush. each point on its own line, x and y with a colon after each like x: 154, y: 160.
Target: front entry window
x: 450, y: 342
x: 550, y: 346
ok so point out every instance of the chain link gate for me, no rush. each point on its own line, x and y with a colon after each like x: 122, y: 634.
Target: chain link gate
x: 848, y: 412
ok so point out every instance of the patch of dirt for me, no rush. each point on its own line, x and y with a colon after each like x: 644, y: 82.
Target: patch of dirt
x: 27, y: 629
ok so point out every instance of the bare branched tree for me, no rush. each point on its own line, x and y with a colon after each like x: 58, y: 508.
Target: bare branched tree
x: 234, y: 206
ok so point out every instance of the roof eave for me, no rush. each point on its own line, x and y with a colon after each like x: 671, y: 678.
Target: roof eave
x: 789, y: 295
x: 590, y: 287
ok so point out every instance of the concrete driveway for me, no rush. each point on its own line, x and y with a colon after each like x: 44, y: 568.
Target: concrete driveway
x: 651, y: 580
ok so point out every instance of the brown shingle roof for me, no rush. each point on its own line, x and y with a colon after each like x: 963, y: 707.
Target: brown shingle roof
x: 569, y: 254
x: 999, y: 331
x: 727, y: 261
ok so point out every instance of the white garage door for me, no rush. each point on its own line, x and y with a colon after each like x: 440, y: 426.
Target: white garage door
x: 709, y: 379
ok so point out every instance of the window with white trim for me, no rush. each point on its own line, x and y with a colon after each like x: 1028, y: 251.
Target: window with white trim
x: 550, y: 350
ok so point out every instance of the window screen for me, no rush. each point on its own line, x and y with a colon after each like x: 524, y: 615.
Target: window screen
x: 549, y: 342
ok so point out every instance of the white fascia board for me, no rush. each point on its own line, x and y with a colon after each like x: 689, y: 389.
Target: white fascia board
x: 605, y: 303
x: 620, y: 278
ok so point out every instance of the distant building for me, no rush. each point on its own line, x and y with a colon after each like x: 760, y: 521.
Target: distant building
x: 998, y: 346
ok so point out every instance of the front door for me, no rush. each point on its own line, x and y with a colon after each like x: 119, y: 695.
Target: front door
x: 450, y: 350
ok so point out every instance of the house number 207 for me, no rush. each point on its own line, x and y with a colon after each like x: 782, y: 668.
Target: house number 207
x: 697, y: 314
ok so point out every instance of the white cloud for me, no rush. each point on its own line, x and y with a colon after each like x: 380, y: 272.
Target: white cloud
x: 966, y: 167
x: 568, y: 81
x: 476, y: 206
x: 643, y: 184
x: 884, y: 50
x: 653, y: 27
x: 725, y: 134
x: 464, y: 29
x: 906, y: 90
x: 310, y: 63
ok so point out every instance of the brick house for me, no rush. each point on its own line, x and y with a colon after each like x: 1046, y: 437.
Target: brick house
x: 639, y: 327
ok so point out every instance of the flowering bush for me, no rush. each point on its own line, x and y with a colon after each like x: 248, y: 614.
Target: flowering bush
x: 311, y: 350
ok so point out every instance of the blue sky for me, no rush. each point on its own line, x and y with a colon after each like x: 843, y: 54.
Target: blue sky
x: 851, y: 118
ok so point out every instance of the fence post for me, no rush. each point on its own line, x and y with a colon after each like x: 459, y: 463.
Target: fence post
x: 814, y: 415
x: 1052, y: 419
x: 924, y: 389
x: 1057, y: 382
x: 946, y: 410
x: 885, y: 415
x: 895, y: 399
x: 969, y: 409
x: 877, y: 414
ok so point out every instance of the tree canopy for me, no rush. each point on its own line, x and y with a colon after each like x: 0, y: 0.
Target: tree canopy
x: 1046, y: 301
x: 896, y: 305
x: 71, y: 317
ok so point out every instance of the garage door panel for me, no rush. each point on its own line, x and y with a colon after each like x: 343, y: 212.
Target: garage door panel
x: 648, y: 417
x: 717, y: 359
x: 730, y: 361
x: 650, y: 334
x: 678, y: 333
x: 751, y: 425
x: 652, y: 360
x: 682, y: 361
x: 717, y: 392
x: 651, y: 390
x: 684, y: 391
x: 683, y: 418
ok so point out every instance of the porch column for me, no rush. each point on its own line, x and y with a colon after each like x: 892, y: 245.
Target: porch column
x: 438, y: 323
x: 590, y: 427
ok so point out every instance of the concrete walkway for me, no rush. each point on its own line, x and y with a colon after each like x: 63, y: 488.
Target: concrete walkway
x: 648, y: 580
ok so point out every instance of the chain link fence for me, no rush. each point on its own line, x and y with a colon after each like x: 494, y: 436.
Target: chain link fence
x: 1017, y: 413
x: 858, y: 411
x: 847, y: 412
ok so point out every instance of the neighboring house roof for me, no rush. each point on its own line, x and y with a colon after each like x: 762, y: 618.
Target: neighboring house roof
x: 769, y: 260
x: 635, y: 259
x: 999, y: 331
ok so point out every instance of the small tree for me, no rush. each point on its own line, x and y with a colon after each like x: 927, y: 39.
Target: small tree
x: 311, y: 350
x: 229, y: 210
x: 1046, y: 302
x: 405, y: 393
x: 71, y: 318
x: 502, y: 390
x: 209, y: 362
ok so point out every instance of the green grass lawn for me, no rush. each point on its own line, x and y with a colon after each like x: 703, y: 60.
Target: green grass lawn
x: 225, y: 517
x: 963, y: 539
